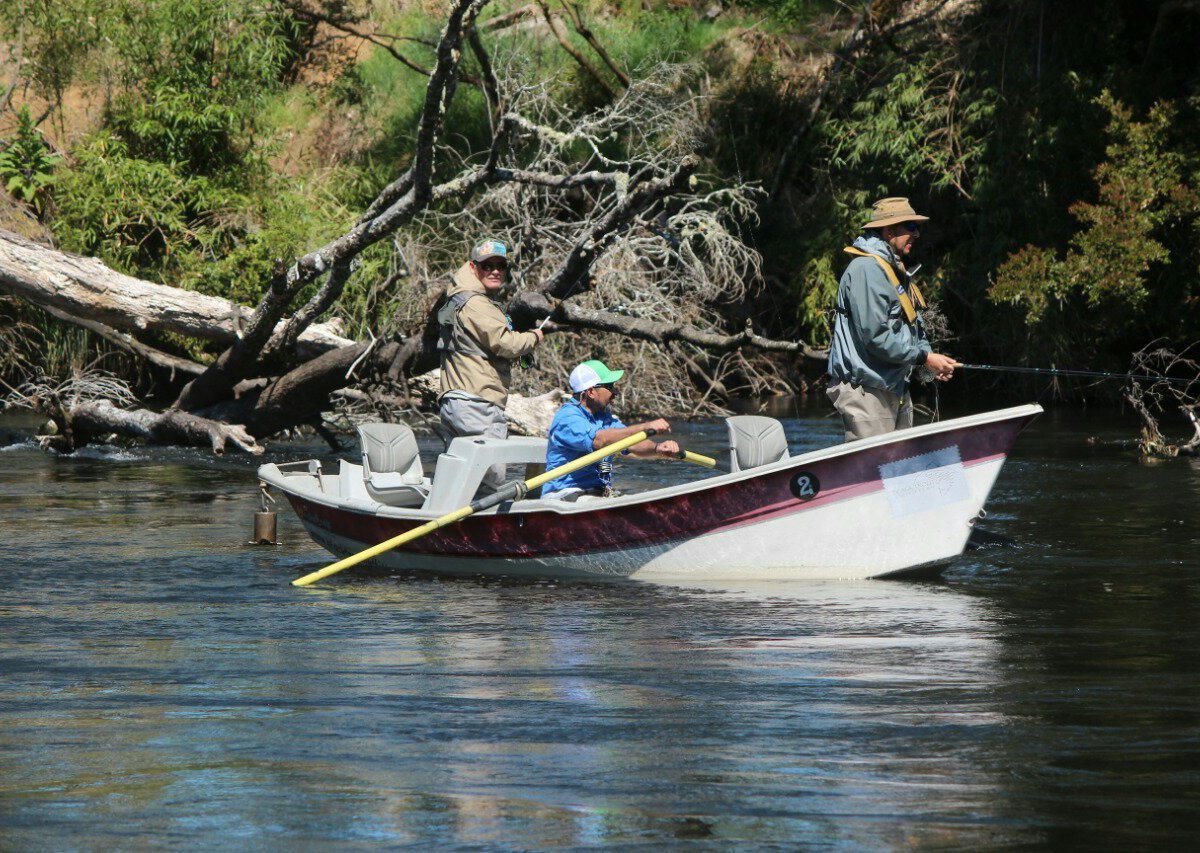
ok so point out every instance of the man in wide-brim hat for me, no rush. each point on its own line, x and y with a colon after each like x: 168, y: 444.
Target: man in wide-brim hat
x: 878, y: 336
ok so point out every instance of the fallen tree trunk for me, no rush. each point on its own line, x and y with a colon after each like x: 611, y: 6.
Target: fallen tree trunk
x: 86, y: 288
x: 88, y: 421
x: 649, y: 236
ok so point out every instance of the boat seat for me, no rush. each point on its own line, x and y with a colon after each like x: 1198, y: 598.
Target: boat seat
x: 755, y: 440
x: 391, y: 464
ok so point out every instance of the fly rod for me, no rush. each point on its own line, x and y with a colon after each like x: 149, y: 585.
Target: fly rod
x: 1082, y: 374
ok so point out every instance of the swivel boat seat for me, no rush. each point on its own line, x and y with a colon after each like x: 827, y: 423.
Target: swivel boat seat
x: 755, y: 440
x: 391, y: 464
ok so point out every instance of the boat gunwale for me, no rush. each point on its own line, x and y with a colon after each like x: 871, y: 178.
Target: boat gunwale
x: 369, y: 507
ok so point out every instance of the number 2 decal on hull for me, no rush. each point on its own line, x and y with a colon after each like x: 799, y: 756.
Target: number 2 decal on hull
x: 805, y: 486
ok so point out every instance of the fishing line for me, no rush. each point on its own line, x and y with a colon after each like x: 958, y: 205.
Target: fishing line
x: 1083, y: 374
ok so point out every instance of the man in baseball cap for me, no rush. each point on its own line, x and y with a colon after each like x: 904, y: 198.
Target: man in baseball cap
x: 584, y: 424
x: 478, y: 345
x: 878, y: 336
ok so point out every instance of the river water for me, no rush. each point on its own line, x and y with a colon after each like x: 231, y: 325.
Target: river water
x: 165, y: 686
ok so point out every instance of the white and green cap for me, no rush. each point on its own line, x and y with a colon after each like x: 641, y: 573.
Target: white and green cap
x: 592, y: 373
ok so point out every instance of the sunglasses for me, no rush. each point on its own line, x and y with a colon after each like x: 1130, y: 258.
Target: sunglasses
x: 493, y: 267
x: 607, y: 386
x: 911, y: 227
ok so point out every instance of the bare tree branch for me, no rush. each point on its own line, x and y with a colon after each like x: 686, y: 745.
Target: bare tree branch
x: 556, y: 29
x: 658, y: 331
x: 237, y: 362
x: 587, y: 35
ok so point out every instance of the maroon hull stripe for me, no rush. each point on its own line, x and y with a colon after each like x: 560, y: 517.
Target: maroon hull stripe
x: 654, y: 521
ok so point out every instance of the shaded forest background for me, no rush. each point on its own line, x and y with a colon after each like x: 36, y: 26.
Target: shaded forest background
x: 1055, y: 145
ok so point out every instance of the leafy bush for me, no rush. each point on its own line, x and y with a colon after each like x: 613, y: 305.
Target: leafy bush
x: 129, y: 212
x: 1120, y: 261
x: 193, y: 75
x: 27, y: 164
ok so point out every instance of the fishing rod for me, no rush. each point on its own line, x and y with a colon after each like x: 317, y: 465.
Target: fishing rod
x: 1083, y: 374
x: 527, y: 360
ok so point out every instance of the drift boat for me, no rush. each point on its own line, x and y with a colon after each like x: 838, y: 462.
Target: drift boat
x: 893, y: 505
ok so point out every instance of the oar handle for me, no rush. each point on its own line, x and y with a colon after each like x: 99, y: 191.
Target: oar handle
x: 699, y: 459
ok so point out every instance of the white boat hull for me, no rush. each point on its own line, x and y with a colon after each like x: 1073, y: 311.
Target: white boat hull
x: 891, y: 505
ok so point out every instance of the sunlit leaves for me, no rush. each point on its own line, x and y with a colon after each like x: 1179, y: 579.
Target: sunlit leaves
x: 1143, y: 192
x: 925, y: 123
x: 27, y: 164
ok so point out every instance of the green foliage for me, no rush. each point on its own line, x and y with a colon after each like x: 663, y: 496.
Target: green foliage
x: 998, y: 145
x: 641, y: 39
x: 27, y: 164
x: 394, y: 95
x: 33, y: 342
x: 127, y: 211
x: 276, y: 224
x: 193, y: 76
x: 1120, y: 256
x: 176, y: 185
x: 917, y: 127
x: 54, y: 38
x: 793, y: 13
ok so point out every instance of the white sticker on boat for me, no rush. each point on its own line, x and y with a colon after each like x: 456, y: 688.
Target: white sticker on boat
x: 923, y: 482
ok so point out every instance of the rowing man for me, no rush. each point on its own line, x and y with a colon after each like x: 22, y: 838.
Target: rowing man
x: 585, y: 424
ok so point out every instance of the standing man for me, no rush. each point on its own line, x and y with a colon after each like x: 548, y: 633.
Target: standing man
x: 477, y: 345
x: 584, y: 424
x: 878, y: 337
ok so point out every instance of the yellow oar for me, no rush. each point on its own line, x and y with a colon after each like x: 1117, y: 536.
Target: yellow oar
x: 706, y: 461
x: 508, y: 492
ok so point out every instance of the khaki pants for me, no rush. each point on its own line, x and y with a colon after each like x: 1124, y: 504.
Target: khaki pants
x: 869, y: 411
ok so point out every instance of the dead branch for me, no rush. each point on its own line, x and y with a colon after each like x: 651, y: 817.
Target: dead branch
x: 1150, y: 399
x: 237, y: 362
x: 587, y: 35
x: 97, y: 419
x: 131, y: 344
x: 555, y: 26
x: 625, y: 243
x: 637, y: 328
x: 343, y: 25
x: 84, y: 287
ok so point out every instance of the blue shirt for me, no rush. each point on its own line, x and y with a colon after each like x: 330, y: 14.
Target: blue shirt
x: 572, y: 434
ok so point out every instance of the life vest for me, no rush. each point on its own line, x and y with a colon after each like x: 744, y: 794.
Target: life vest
x: 452, y: 337
x: 910, y: 296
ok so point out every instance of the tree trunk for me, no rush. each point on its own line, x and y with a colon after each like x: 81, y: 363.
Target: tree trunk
x: 86, y: 288
x: 88, y: 421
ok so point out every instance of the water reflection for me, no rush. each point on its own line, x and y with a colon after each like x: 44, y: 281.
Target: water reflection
x: 162, y: 679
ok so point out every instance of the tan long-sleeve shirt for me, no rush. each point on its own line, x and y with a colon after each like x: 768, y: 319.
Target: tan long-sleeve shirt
x: 485, y: 323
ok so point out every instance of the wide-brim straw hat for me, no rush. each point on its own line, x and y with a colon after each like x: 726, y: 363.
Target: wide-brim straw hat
x: 893, y: 211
